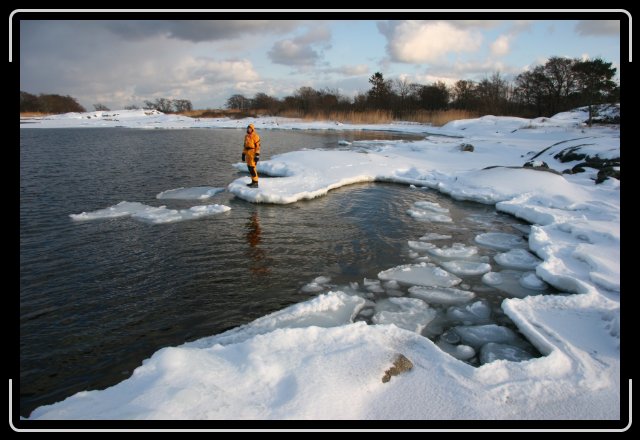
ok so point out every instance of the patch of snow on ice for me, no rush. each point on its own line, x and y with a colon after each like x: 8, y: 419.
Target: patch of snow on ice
x: 518, y: 259
x: 457, y: 250
x: 429, y: 216
x: 478, y: 335
x: 500, y: 241
x: 432, y: 236
x: 441, y: 295
x: 493, y: 351
x: 530, y: 280
x: 409, y: 313
x: 431, y: 206
x: 478, y: 312
x: 151, y: 214
x: 194, y: 193
x: 423, y: 274
x: 466, y: 268
x: 509, y: 282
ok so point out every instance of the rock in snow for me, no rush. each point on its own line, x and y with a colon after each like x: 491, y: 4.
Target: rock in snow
x: 400, y: 365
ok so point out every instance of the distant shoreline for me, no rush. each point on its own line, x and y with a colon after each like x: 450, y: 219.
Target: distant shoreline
x: 435, y: 118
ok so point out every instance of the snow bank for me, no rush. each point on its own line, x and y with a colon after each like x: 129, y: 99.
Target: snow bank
x: 286, y: 366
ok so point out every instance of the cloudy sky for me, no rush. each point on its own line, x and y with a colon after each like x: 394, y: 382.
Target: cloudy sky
x: 118, y: 63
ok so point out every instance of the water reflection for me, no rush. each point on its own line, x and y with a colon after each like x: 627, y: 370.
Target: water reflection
x: 257, y: 255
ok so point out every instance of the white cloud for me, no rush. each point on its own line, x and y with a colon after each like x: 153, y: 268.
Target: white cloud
x: 419, y: 41
x: 470, y: 70
x: 598, y: 27
x: 316, y: 34
x: 300, y: 51
x: 349, y: 70
x: 93, y: 65
x: 500, y: 47
x: 198, y: 79
x: 291, y: 53
x: 219, y: 70
x: 475, y: 24
x: 196, y: 30
x: 485, y: 68
x: 427, y: 79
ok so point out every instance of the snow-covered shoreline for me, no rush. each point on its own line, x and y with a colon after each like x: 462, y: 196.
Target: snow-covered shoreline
x: 310, y: 361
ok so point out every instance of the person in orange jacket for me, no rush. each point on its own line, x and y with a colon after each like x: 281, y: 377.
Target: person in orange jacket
x: 251, y: 154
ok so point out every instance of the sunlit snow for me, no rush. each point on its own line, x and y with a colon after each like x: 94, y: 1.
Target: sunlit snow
x: 423, y: 274
x: 441, y: 295
x: 151, y: 214
x: 194, y: 193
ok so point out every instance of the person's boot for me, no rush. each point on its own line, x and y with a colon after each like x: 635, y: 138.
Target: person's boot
x: 253, y: 185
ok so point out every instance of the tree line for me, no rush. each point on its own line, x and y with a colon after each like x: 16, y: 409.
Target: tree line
x: 163, y: 105
x: 558, y: 85
x: 51, y: 103
x: 44, y: 103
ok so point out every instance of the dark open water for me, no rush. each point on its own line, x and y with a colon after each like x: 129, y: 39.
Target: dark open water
x: 98, y: 297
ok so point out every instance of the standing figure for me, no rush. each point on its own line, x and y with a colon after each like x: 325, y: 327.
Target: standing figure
x: 251, y: 154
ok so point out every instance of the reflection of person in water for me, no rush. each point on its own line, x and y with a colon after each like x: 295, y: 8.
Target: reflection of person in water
x: 258, y: 264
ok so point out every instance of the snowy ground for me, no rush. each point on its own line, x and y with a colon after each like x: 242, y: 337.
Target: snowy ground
x: 312, y: 361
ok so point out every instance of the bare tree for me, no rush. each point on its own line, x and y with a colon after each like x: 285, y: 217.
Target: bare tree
x: 238, y: 102
x: 182, y: 105
x: 560, y: 82
x: 307, y: 98
x: 493, y: 94
x: 163, y: 105
x: 263, y: 101
x: 463, y: 94
x: 531, y: 90
x: 402, y: 88
x: 434, y: 96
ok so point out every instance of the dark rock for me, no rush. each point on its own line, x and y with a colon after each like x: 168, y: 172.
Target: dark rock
x: 577, y: 169
x: 400, y: 365
x: 607, y: 172
x: 571, y: 154
x: 466, y: 147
